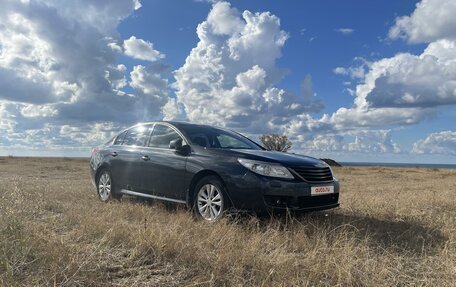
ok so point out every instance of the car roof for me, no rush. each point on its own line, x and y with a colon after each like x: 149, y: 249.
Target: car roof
x: 178, y: 124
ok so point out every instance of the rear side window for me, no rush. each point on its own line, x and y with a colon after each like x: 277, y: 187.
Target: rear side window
x: 162, y: 135
x: 120, y: 138
x: 137, y: 136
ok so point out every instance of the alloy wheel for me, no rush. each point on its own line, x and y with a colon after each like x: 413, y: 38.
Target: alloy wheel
x: 210, y: 202
x: 104, y: 186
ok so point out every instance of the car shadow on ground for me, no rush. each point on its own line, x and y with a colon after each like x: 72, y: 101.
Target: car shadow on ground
x: 387, y: 234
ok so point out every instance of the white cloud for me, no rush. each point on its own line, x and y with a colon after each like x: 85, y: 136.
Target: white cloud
x: 432, y: 20
x: 47, y: 66
x: 142, y: 50
x: 137, y: 4
x: 437, y: 143
x: 357, y: 71
x: 373, y: 141
x: 58, y: 68
x: 320, y: 142
x: 376, y: 141
x: 340, y: 71
x: 345, y: 31
x: 224, y: 20
x: 81, y: 95
x: 148, y: 83
x: 354, y: 118
x: 116, y: 76
x: 407, y: 80
x: 32, y: 111
x: 228, y: 78
x: 115, y: 47
x: 87, y: 136
x: 173, y: 110
x: 407, y: 88
x: 351, y: 92
x: 148, y: 79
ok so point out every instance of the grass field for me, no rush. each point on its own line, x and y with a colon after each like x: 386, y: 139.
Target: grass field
x: 395, y: 227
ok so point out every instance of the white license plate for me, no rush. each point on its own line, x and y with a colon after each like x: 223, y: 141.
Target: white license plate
x: 318, y: 190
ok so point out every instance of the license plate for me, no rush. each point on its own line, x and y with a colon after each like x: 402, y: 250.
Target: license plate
x: 318, y: 190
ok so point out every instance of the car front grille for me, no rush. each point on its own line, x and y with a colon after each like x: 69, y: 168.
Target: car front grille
x: 314, y: 174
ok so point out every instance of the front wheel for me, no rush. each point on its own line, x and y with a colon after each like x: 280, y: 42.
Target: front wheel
x: 210, y: 201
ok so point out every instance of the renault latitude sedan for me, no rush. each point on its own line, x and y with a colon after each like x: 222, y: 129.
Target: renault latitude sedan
x: 211, y: 170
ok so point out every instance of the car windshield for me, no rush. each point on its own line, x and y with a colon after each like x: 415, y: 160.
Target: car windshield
x: 210, y: 137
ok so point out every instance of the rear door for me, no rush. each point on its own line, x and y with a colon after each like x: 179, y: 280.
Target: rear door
x: 163, y: 169
x: 128, y: 157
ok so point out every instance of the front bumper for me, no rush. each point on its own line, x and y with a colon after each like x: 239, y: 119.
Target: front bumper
x: 259, y: 193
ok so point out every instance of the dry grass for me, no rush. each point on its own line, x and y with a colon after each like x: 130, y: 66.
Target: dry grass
x: 396, y: 227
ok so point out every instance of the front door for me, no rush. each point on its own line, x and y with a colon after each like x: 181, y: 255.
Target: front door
x: 163, y: 169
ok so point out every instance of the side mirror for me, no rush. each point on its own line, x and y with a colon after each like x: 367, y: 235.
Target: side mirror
x: 176, y: 144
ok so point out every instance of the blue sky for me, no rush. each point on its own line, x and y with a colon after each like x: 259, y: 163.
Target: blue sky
x: 351, y: 80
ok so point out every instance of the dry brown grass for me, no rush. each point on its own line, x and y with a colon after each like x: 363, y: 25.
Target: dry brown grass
x: 395, y: 227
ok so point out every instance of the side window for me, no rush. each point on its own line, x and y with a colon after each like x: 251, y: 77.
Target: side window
x: 201, y: 140
x: 162, y: 135
x: 137, y: 136
x: 120, y: 138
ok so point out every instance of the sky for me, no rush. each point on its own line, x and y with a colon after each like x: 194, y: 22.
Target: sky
x: 360, y: 81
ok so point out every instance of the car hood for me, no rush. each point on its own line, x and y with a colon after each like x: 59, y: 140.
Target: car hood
x: 287, y: 159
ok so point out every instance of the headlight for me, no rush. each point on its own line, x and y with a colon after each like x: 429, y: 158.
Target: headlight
x: 266, y: 168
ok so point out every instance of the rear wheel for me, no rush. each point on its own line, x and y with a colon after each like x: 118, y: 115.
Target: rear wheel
x: 105, y: 187
x: 210, y: 201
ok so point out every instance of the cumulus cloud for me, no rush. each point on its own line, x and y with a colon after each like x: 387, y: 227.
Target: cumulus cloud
x: 407, y: 88
x: 140, y: 49
x: 18, y: 88
x: 81, y: 94
x: 152, y: 89
x: 437, y: 143
x: 432, y: 20
x: 115, y: 47
x: 116, y: 76
x: 407, y: 80
x: 377, y: 141
x: 148, y: 80
x: 50, y: 67
x: 321, y: 143
x: 364, y: 117
x: 228, y: 78
x: 58, y: 68
x: 372, y: 141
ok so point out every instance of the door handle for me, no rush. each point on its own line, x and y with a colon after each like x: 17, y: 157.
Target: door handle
x: 145, y: 157
x: 114, y: 153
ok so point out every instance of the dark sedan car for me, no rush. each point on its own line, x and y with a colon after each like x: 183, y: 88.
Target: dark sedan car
x: 211, y: 170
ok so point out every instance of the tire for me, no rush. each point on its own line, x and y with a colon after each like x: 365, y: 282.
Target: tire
x: 210, y: 201
x: 105, y: 187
